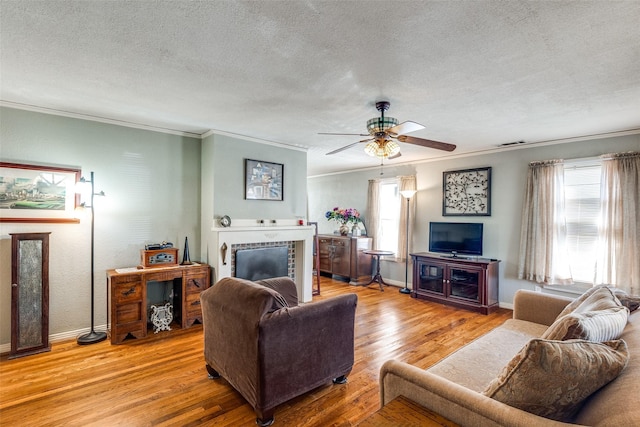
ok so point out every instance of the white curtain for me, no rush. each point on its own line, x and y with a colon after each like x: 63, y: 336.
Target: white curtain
x: 618, y: 261
x: 543, y: 253
x: 405, y: 183
x: 373, y: 210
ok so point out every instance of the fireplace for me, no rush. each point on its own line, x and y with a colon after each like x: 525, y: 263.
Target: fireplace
x: 261, y: 263
x: 223, y: 242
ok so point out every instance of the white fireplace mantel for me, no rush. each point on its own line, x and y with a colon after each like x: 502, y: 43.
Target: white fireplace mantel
x: 301, y: 235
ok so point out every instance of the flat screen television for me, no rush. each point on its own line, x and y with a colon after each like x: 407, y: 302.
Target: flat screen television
x: 456, y: 238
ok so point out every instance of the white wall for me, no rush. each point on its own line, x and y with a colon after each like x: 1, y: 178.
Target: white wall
x: 501, y: 229
x: 152, y: 186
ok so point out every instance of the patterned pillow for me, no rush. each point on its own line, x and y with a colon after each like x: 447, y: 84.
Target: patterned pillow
x: 553, y: 378
x: 598, y: 317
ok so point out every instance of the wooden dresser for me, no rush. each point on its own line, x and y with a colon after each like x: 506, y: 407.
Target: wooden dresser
x: 128, y: 292
x: 344, y: 256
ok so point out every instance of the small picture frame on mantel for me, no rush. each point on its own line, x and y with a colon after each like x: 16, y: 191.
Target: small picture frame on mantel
x: 466, y: 192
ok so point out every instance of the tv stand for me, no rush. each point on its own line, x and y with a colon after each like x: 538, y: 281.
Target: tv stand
x: 457, y: 281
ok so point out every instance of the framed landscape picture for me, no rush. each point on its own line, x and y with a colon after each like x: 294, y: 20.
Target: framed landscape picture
x: 263, y: 180
x: 32, y: 193
x: 466, y: 192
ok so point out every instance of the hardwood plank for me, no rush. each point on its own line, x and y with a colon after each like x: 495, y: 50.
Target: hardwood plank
x: 161, y: 380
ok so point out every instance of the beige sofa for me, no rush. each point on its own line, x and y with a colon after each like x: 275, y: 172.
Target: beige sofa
x: 454, y: 386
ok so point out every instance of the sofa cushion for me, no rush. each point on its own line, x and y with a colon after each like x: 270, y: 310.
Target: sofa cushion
x: 553, y: 378
x: 616, y: 404
x: 598, y: 317
x: 476, y: 364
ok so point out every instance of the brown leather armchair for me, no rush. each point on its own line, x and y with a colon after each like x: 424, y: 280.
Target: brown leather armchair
x: 269, y: 348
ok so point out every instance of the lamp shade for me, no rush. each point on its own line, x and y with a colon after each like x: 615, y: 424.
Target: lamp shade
x: 382, y: 148
x: 407, y: 194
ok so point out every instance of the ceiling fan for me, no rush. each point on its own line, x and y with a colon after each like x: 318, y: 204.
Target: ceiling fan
x: 383, y: 133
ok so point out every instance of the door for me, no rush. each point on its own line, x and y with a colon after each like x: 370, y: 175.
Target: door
x: 29, y: 293
x: 431, y: 277
x: 342, y: 257
x: 464, y: 283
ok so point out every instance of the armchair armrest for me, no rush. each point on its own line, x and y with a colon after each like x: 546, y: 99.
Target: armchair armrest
x: 451, y: 400
x: 304, y: 347
x: 537, y: 307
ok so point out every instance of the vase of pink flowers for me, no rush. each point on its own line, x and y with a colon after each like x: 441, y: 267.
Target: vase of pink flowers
x: 344, y: 217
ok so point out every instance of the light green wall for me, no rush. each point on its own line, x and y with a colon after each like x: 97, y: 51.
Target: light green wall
x: 225, y: 157
x: 152, y: 183
x: 501, y: 229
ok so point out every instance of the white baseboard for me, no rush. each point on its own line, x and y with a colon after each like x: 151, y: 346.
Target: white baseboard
x: 62, y: 336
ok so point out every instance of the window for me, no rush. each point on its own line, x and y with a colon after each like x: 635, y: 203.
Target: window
x: 582, y: 216
x: 387, y: 233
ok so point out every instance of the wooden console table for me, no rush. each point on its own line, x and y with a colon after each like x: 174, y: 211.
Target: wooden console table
x: 344, y: 256
x: 127, y: 297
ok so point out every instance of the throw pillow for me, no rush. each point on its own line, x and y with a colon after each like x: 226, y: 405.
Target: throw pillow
x: 553, y: 378
x: 598, y: 317
x: 629, y: 301
x: 598, y: 326
x: 600, y: 292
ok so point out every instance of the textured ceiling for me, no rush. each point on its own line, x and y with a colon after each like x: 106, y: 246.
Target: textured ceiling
x: 475, y: 73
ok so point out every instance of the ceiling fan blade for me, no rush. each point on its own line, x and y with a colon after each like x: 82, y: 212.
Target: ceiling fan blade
x: 426, y: 143
x: 405, y: 127
x: 348, y: 134
x: 342, y: 149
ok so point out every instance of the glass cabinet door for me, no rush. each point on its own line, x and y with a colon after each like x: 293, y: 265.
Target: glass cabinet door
x: 430, y: 277
x: 465, y: 284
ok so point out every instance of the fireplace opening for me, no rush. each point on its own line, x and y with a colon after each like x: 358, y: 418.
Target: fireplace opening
x: 262, y: 263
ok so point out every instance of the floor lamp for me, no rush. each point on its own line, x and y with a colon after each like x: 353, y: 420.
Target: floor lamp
x: 407, y: 194
x: 93, y: 336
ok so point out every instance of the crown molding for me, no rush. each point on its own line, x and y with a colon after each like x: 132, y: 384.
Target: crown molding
x: 253, y: 139
x: 89, y: 117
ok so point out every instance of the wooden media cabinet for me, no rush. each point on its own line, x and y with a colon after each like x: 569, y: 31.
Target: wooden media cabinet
x: 128, y: 290
x: 462, y: 282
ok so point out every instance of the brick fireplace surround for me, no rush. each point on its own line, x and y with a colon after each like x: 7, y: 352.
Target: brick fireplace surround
x: 300, y: 237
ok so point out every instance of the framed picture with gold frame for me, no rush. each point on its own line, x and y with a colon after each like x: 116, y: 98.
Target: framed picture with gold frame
x: 34, y: 193
x: 466, y: 192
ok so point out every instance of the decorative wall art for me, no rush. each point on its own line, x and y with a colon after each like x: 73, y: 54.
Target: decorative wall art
x: 31, y: 193
x: 263, y: 180
x: 467, y: 192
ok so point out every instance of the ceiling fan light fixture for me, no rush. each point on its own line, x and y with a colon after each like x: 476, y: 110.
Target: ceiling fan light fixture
x: 382, y: 149
x: 380, y: 124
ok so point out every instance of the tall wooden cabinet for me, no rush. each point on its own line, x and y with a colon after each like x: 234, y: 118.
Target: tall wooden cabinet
x: 29, y: 293
x: 465, y: 283
x: 344, y: 256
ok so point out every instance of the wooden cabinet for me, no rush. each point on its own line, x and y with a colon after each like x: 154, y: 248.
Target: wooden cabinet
x: 344, y: 256
x: 129, y: 297
x: 29, y: 293
x: 465, y: 283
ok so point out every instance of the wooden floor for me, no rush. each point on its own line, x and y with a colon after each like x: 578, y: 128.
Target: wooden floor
x: 161, y: 380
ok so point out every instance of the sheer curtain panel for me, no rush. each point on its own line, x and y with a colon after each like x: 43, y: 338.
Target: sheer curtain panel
x: 619, y: 254
x: 543, y: 253
x: 373, y: 209
x: 405, y: 183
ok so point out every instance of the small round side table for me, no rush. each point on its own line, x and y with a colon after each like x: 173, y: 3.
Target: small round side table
x: 377, y: 277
